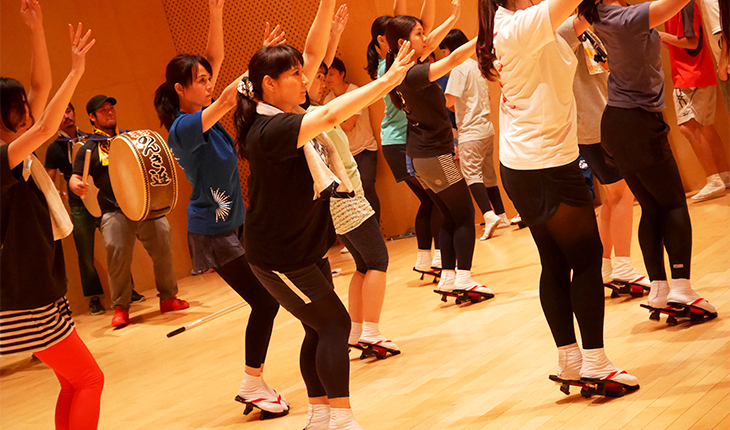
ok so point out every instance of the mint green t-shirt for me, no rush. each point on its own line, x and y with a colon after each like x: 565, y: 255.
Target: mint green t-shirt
x: 394, y: 125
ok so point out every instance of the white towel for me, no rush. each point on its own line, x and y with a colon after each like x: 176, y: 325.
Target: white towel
x: 60, y: 221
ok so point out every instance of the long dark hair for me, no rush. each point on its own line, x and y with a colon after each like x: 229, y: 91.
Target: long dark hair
x: 13, y: 99
x: 588, y: 9
x: 269, y: 61
x: 485, y: 39
x: 377, y: 29
x: 399, y: 27
x: 453, y: 40
x: 180, y: 70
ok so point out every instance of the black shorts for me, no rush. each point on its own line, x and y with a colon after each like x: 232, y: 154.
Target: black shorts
x: 214, y: 251
x: 634, y: 139
x: 537, y: 194
x: 395, y: 155
x: 296, y: 288
x: 595, y: 156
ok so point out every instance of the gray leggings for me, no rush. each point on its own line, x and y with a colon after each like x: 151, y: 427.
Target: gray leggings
x: 367, y: 246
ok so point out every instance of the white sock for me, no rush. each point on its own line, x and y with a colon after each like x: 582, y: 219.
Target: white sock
x: 570, y: 360
x: 436, y: 262
x: 318, y: 417
x: 607, y: 270
x: 343, y: 419
x: 463, y: 279
x: 597, y: 365
x: 447, y: 280
x: 355, y: 332
x: 370, y: 330
x: 250, y: 384
x: 725, y: 178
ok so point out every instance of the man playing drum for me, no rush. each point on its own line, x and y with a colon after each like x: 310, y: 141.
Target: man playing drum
x: 118, y: 231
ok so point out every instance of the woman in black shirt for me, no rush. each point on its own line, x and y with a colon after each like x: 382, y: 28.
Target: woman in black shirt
x: 287, y: 232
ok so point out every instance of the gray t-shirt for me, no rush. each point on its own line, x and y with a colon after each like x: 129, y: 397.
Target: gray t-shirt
x: 637, y: 78
x: 590, y: 90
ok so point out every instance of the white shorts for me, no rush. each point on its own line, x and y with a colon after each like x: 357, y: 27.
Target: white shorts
x: 697, y: 103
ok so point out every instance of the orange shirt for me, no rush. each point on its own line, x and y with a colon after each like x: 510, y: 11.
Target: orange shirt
x: 690, y: 67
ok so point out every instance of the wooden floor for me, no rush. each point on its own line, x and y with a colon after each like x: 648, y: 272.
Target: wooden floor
x: 482, y: 366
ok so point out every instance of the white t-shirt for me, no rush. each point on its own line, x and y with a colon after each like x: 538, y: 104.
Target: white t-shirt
x: 361, y: 136
x: 711, y: 18
x: 537, y: 114
x: 467, y: 84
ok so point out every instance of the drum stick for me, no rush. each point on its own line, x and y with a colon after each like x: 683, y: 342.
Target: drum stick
x: 210, y: 317
x: 87, y: 160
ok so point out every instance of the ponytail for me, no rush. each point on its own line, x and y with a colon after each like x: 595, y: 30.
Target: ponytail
x: 588, y: 9
x: 167, y: 103
x: 398, y: 28
x: 377, y: 29
x: 180, y: 70
x: 243, y: 120
x: 485, y: 40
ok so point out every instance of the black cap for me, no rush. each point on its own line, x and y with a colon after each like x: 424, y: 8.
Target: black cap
x: 98, y: 100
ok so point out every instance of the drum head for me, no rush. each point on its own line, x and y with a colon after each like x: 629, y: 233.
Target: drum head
x: 127, y: 176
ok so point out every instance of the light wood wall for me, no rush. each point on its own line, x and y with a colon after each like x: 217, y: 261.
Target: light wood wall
x: 136, y: 38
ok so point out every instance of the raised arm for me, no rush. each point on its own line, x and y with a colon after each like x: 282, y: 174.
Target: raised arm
x: 315, y: 47
x: 350, y: 103
x: 444, y: 65
x: 338, y: 26
x: 662, y: 10
x: 40, y: 65
x: 428, y: 15
x: 46, y: 124
x: 399, y: 7
x: 434, y: 38
x: 214, y: 49
x: 560, y: 10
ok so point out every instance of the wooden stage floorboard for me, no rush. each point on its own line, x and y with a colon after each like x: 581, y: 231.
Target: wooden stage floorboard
x: 482, y: 366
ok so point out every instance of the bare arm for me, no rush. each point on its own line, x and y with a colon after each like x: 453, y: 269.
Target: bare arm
x: 52, y: 174
x: 428, y: 15
x: 722, y: 63
x: 214, y: 49
x: 399, y: 7
x: 580, y: 25
x: 47, y: 123
x: 450, y: 101
x: 662, y: 10
x: 349, y: 124
x: 315, y: 47
x: 444, y: 65
x: 349, y: 104
x: 680, y: 42
x: 40, y: 65
x: 560, y: 10
x: 433, y: 39
x: 338, y: 26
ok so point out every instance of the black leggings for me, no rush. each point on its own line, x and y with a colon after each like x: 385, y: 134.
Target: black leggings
x: 569, y: 242
x: 457, y: 231
x: 324, y: 359
x: 238, y: 275
x: 665, y: 221
x: 428, y: 219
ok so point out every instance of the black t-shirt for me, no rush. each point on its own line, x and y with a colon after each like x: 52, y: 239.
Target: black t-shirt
x: 429, y: 129
x: 100, y: 173
x: 32, y: 270
x: 285, y: 228
x: 58, y: 157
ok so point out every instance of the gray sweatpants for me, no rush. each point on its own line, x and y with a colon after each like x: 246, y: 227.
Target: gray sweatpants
x: 120, y: 233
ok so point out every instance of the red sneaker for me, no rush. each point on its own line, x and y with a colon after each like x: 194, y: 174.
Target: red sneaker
x: 121, y: 318
x: 173, y: 304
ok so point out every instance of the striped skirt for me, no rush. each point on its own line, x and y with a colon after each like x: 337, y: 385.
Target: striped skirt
x: 36, y: 329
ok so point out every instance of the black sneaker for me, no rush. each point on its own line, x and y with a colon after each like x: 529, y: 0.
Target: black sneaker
x: 137, y: 297
x: 95, y: 307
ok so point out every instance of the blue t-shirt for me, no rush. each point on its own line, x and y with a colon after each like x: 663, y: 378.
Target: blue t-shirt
x: 210, y: 162
x: 395, y: 125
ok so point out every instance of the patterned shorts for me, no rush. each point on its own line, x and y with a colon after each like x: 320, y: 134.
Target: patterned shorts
x: 437, y: 173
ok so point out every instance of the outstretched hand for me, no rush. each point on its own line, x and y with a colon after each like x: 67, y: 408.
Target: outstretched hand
x: 455, y: 7
x: 79, y: 47
x: 339, y: 21
x: 402, y: 63
x: 216, y: 4
x: 273, y: 37
x: 32, y: 14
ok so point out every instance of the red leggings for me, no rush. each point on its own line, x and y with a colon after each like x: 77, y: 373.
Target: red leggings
x: 81, y: 383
